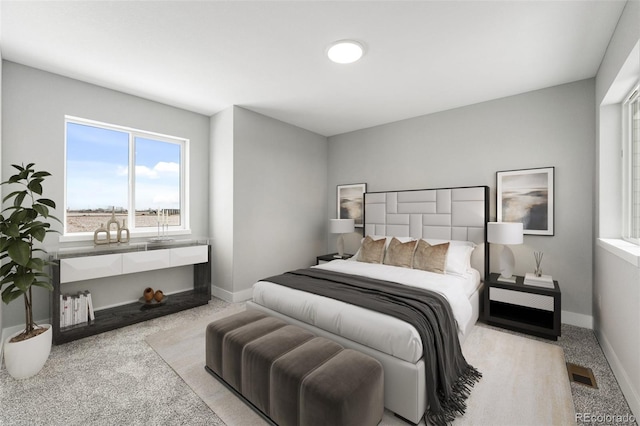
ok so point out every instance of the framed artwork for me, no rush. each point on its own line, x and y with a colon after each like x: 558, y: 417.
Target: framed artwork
x: 351, y: 202
x: 526, y: 196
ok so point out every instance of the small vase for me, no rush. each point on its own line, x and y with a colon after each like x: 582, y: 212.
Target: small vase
x: 148, y: 294
x: 538, y: 272
x: 158, y: 296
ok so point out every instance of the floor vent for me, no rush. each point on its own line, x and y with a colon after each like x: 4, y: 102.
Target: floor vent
x: 582, y: 375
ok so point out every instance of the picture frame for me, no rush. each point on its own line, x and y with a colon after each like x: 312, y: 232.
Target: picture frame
x: 350, y: 202
x: 527, y: 196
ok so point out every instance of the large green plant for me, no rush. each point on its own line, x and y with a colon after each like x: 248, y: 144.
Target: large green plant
x: 22, y: 224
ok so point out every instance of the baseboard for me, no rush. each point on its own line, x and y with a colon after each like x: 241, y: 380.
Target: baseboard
x: 579, y: 320
x: 228, y: 296
x: 626, y: 384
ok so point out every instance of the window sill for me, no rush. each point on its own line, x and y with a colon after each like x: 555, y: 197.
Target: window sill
x: 621, y: 248
x: 88, y: 236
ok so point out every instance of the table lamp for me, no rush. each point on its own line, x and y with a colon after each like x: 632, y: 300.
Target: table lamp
x: 341, y: 226
x: 505, y: 233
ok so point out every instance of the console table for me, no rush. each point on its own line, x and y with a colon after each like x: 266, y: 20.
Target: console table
x: 91, y: 263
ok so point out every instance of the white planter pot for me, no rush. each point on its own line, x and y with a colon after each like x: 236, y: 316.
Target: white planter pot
x: 25, y: 359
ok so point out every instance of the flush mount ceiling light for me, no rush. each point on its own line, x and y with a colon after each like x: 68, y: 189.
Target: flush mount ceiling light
x: 345, y: 51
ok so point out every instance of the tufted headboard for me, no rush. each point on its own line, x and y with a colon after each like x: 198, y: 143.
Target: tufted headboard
x: 444, y: 213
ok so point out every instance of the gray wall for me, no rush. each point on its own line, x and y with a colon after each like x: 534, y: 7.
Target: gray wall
x: 466, y: 146
x: 34, y: 104
x: 616, y: 290
x: 277, y: 206
x: 1, y: 302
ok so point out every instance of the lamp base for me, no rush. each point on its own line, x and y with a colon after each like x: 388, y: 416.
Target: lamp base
x: 340, y: 246
x: 511, y: 279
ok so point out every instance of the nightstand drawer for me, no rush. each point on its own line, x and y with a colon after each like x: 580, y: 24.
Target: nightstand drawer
x: 537, y: 301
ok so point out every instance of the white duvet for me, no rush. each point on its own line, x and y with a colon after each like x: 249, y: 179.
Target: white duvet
x: 378, y: 331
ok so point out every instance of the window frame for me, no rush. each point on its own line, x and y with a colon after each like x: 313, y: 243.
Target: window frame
x: 628, y: 164
x: 133, y: 133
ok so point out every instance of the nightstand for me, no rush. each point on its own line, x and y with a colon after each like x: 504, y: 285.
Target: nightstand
x: 529, y: 309
x: 329, y: 257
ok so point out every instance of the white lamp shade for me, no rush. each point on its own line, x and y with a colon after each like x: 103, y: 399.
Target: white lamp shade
x: 504, y: 232
x: 341, y: 226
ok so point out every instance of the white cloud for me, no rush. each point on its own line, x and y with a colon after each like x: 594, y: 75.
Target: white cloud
x: 162, y: 168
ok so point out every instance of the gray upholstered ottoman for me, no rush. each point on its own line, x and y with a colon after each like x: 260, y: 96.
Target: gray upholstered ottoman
x: 292, y: 376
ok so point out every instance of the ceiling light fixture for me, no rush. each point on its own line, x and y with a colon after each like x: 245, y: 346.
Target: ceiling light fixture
x: 345, y: 51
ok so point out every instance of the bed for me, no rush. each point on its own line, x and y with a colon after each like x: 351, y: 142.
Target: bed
x: 454, y: 215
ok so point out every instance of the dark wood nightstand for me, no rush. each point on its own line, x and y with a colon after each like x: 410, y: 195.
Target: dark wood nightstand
x: 329, y: 257
x: 529, y: 309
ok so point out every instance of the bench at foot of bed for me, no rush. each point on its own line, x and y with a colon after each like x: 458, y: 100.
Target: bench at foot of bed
x: 292, y: 376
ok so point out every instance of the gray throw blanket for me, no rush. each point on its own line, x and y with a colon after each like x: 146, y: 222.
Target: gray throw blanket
x: 449, y: 378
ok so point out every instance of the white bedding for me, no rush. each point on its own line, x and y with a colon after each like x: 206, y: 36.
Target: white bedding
x: 373, y: 329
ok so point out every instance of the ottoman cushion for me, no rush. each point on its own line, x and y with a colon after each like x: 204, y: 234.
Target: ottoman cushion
x: 287, y: 372
x: 234, y: 342
x: 345, y: 390
x: 216, y: 332
x: 258, y: 356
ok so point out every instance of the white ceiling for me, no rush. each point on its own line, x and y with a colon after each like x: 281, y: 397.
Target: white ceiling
x: 269, y: 56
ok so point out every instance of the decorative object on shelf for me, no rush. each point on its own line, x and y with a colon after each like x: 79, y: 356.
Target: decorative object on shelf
x: 158, y: 296
x: 148, y: 294
x: 100, y: 231
x: 123, y: 234
x: 505, y: 233
x: 22, y: 226
x: 163, y: 227
x: 341, y: 226
x: 538, y: 256
x: 153, y: 302
x: 113, y: 221
x: 527, y: 196
x: 538, y: 280
x: 350, y: 202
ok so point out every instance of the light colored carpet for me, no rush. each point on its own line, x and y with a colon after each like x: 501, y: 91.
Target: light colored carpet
x: 524, y: 381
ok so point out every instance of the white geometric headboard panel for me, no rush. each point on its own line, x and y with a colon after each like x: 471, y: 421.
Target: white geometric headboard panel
x: 447, y: 214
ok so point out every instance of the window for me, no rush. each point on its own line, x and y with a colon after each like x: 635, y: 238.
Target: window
x: 132, y: 173
x: 632, y: 167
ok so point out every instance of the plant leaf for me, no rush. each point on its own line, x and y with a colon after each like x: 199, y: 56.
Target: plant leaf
x: 19, y: 198
x: 39, y: 233
x: 35, y: 186
x: 11, y: 293
x: 13, y: 231
x: 43, y: 210
x: 19, y: 251
x: 24, y: 281
x: 13, y: 194
x: 46, y: 202
x: 43, y: 284
x: 40, y: 174
x: 36, y: 263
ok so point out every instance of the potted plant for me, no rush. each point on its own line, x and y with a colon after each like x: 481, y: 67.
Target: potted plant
x: 23, y: 223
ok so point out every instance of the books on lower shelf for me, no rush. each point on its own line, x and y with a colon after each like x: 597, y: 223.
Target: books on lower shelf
x: 541, y: 281
x: 76, y: 309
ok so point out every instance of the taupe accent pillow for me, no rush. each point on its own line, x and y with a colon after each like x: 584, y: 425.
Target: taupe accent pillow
x: 400, y: 254
x: 430, y: 258
x: 372, y: 251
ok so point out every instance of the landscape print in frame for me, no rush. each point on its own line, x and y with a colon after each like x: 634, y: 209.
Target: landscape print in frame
x: 351, y: 202
x: 526, y: 196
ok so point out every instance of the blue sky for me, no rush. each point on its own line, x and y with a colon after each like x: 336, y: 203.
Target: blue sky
x: 97, y: 170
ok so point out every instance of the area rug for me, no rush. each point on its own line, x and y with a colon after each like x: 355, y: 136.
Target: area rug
x: 524, y: 381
